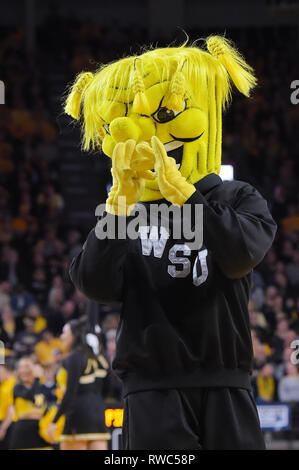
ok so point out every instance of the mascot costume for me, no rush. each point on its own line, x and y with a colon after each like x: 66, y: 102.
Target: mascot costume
x: 184, y: 350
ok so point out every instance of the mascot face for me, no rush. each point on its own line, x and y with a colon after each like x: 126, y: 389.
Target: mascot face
x: 184, y: 133
x: 176, y: 94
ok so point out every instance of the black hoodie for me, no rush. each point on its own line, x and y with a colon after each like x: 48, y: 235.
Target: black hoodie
x: 184, y: 320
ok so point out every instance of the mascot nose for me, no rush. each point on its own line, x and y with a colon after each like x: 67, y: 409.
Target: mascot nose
x: 124, y: 128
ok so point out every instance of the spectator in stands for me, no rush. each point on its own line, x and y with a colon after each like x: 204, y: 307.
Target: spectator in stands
x: 280, y: 369
x: 265, y: 385
x: 110, y: 337
x: 26, y: 340
x: 9, y: 325
x: 73, y: 243
x: 10, y: 268
x: 34, y: 314
x: 50, y: 383
x: 288, y: 388
x: 49, y: 201
x: 21, y: 299
x: 39, y: 286
x: 46, y: 347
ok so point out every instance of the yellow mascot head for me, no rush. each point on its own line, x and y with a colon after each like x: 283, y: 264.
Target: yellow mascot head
x: 176, y: 93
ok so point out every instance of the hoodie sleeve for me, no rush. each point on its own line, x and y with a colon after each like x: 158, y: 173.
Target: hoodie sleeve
x: 239, y: 232
x: 98, y: 270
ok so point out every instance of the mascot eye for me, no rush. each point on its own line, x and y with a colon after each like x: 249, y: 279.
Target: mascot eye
x: 165, y: 114
x: 106, y: 127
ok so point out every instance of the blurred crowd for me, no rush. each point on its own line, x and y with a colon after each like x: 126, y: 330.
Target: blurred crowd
x: 36, y: 246
x: 260, y: 141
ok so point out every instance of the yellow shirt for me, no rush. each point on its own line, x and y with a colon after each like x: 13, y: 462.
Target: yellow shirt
x: 40, y: 324
x: 44, y: 351
x: 265, y: 387
x: 29, y: 399
x: 6, y: 396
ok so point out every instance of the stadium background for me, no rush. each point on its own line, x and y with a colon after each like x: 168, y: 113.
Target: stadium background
x: 49, y: 190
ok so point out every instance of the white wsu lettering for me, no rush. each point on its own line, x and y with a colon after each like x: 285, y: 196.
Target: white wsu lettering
x: 153, y: 242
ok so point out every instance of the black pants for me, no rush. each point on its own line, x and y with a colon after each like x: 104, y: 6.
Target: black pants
x: 191, y: 419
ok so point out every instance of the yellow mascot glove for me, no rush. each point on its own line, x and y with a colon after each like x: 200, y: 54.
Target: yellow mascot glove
x: 128, y: 184
x: 172, y: 184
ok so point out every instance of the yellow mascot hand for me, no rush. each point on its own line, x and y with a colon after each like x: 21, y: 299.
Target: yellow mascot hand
x: 128, y: 183
x: 172, y: 183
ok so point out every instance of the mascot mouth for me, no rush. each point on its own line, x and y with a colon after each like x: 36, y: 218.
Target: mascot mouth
x: 174, y: 148
x: 186, y: 139
x: 177, y: 154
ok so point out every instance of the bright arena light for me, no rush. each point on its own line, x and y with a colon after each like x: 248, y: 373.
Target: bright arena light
x: 227, y: 172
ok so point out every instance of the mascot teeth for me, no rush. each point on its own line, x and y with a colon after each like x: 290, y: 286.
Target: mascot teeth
x: 174, y: 144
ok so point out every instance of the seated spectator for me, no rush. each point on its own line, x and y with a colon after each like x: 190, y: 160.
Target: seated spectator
x: 280, y: 369
x: 49, y: 383
x: 39, y: 286
x: 21, y: 299
x: 262, y: 350
x: 26, y: 340
x: 290, y: 336
x: 287, y: 251
x: 257, y: 290
x: 11, y: 269
x: 257, y: 319
x: 73, y: 243
x: 288, y: 388
x: 49, y: 199
x: 34, y: 314
x: 268, y: 307
x: 265, y: 385
x: 9, y: 325
x: 267, y: 271
x: 45, y: 348
x: 54, y: 316
x: 68, y: 310
x: 81, y: 303
x: 282, y: 329
x: 110, y: 345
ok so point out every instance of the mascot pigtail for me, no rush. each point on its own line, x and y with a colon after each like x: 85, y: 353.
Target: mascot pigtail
x: 177, y: 90
x: 74, y: 99
x: 239, y: 71
x: 140, y: 103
